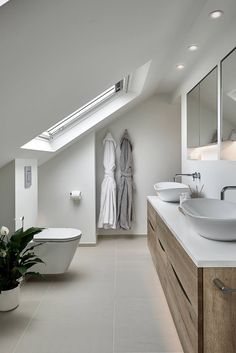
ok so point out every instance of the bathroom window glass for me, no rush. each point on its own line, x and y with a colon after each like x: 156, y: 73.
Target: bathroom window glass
x: 81, y: 113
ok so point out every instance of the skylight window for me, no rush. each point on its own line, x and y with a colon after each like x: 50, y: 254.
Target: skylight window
x: 91, y: 114
x: 81, y: 113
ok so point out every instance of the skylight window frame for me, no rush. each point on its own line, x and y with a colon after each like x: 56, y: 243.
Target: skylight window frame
x: 83, y: 112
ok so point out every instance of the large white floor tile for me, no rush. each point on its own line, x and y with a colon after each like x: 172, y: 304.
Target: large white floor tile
x: 34, y: 289
x: 143, y: 325
x: 66, y: 336
x: 93, y: 255
x: 137, y: 279
x: 14, y: 323
x: 109, y: 301
x: 106, y: 242
x: 132, y: 248
x: 78, y: 310
x: 131, y: 243
x: 70, y: 325
x: 91, y: 283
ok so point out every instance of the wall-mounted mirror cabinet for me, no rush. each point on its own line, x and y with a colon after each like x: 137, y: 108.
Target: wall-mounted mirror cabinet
x: 228, y: 106
x: 193, y: 121
x: 202, y: 112
x: 203, y: 115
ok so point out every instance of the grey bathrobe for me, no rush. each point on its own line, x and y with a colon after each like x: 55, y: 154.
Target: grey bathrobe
x: 125, y: 191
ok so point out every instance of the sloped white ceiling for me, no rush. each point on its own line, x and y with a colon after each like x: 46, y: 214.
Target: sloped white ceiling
x: 56, y: 55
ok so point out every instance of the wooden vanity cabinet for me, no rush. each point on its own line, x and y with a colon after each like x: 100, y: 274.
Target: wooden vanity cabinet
x: 205, y: 318
x: 219, y: 311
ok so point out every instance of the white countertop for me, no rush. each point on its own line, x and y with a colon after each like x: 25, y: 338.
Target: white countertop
x: 202, y: 251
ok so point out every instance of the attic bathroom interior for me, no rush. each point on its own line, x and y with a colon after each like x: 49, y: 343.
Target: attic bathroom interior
x: 118, y: 176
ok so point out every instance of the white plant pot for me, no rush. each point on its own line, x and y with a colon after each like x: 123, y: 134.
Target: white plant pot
x: 10, y: 299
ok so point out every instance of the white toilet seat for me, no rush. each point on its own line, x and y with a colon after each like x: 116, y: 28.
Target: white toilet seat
x: 57, y: 235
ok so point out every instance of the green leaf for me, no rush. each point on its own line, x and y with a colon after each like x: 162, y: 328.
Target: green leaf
x: 34, y: 274
x: 32, y: 263
x: 21, y: 238
x: 31, y: 248
x: 17, y: 259
x: 27, y: 257
x: 32, y: 259
x: 37, y: 260
x: 22, y: 269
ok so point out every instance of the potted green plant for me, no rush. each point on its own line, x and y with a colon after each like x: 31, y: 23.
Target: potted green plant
x: 16, y: 259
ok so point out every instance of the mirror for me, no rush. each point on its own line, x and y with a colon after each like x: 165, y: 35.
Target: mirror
x: 202, y: 112
x: 193, y: 122
x: 228, y: 70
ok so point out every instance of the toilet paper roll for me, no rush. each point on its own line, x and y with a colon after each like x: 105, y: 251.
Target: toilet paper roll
x: 76, y: 195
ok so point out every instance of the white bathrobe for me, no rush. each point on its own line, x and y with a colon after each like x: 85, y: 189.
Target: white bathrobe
x: 107, y: 217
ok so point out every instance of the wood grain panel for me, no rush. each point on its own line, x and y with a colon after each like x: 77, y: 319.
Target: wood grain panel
x: 152, y: 216
x: 219, y: 334
x: 183, y: 265
x: 158, y: 256
x: 185, y: 318
x: 181, y: 281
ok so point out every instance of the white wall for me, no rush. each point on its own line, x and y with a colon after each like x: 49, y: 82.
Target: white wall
x: 154, y: 127
x: 72, y: 169
x: 16, y: 201
x: 26, y: 199
x: 218, y: 173
x: 7, y: 196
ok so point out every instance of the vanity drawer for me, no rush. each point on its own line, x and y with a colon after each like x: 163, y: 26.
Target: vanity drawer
x: 158, y: 256
x: 152, y: 244
x: 186, y: 270
x: 183, y: 313
x: 219, y: 311
x: 151, y: 216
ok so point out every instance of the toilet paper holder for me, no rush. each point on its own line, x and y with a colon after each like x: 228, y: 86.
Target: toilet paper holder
x: 76, y: 194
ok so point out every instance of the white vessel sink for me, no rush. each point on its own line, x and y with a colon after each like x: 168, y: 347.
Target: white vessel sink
x: 211, y: 218
x: 170, y: 191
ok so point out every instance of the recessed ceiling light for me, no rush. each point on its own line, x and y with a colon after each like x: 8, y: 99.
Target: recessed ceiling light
x: 193, y: 47
x: 216, y: 14
x: 180, y: 66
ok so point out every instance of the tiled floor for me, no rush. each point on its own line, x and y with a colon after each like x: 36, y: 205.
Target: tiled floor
x: 109, y: 301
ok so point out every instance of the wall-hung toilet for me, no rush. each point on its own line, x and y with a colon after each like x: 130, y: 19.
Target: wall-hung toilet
x: 56, y: 248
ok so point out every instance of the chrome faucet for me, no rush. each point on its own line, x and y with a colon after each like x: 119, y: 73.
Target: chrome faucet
x: 194, y: 175
x: 225, y: 188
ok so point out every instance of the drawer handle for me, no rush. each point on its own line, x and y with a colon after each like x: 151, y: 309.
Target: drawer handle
x: 220, y: 285
x: 151, y: 226
x: 161, y: 245
x: 181, y: 286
